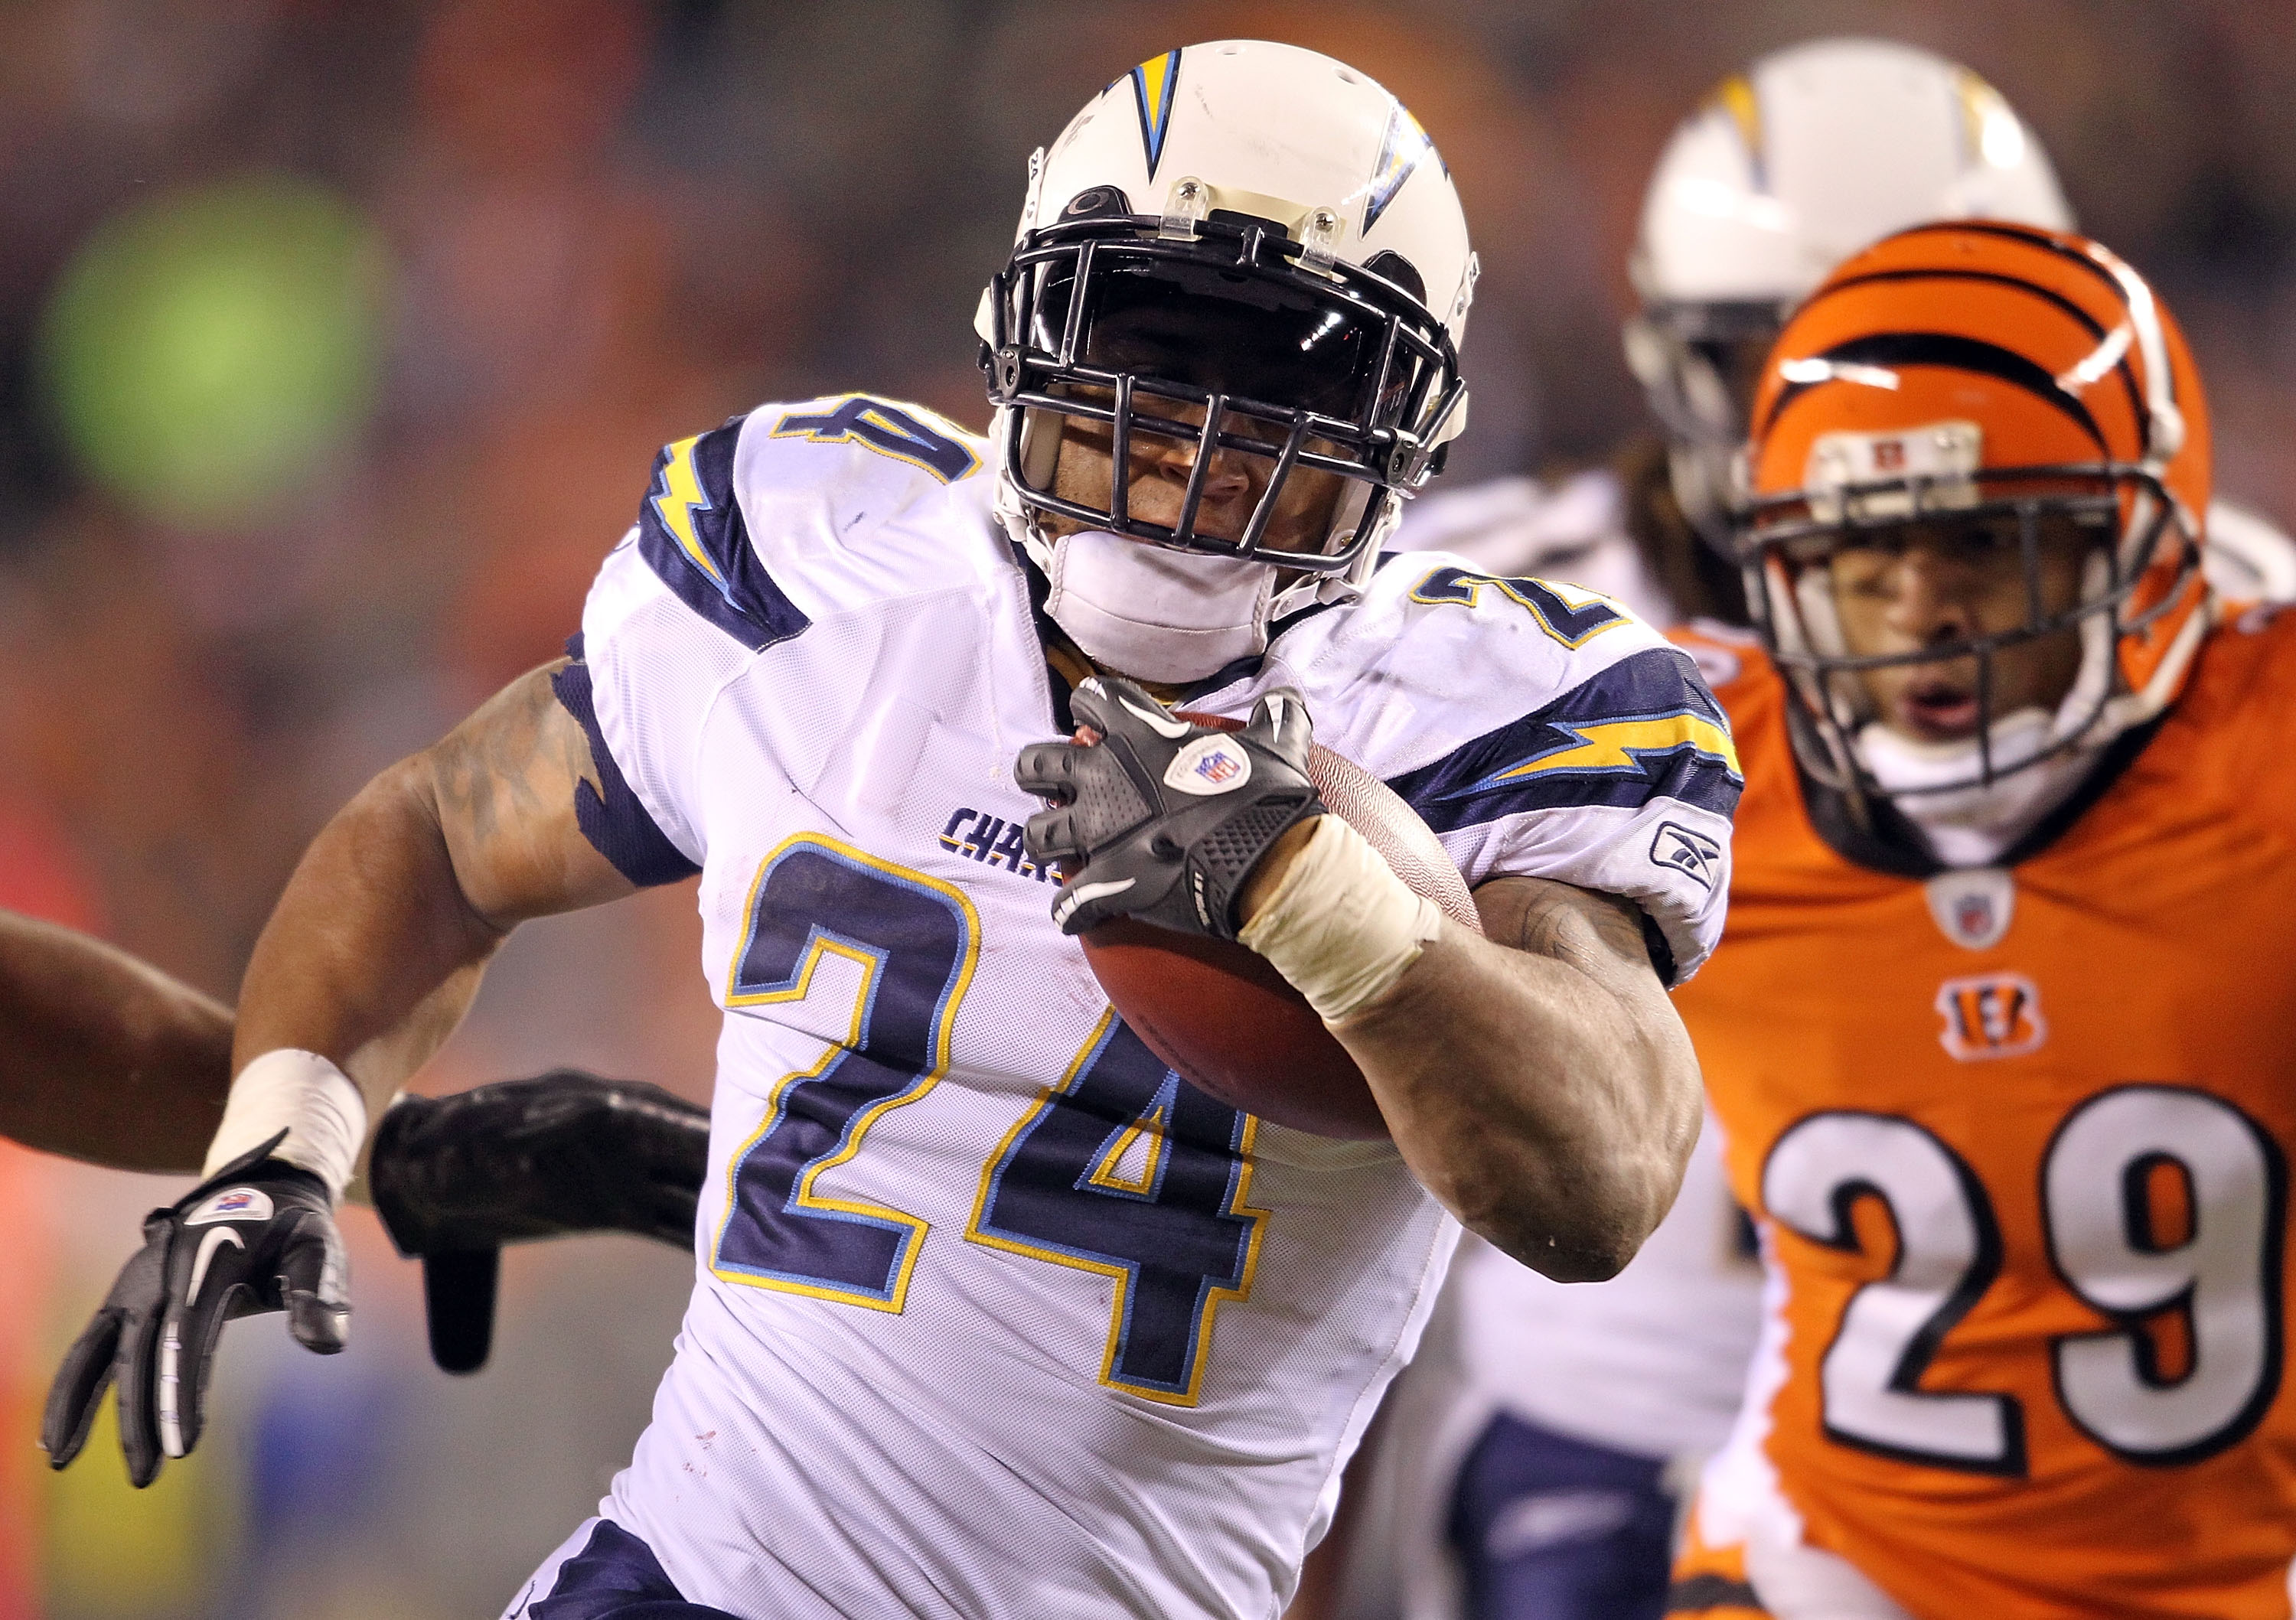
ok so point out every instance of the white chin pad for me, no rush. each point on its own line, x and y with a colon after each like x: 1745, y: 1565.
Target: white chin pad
x: 1154, y: 614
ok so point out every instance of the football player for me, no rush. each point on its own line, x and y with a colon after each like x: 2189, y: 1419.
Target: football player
x: 112, y: 1062
x: 994, y: 1315
x: 1533, y: 1455
x: 2000, y: 1040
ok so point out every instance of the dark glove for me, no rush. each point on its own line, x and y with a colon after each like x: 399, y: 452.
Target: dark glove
x: 455, y: 1178
x: 1162, y: 820
x: 258, y: 1236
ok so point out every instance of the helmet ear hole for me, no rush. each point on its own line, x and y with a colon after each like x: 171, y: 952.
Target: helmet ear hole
x: 1401, y: 271
x: 1097, y: 202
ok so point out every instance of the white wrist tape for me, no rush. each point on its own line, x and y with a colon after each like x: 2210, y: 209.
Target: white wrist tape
x: 1341, y: 926
x: 307, y: 1097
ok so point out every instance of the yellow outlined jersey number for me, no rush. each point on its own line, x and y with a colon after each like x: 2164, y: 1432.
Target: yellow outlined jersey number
x: 1127, y: 1170
x: 1572, y: 623
x: 915, y: 941
x: 906, y: 433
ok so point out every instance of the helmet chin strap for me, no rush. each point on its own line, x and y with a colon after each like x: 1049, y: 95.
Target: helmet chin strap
x: 1700, y: 478
x: 1972, y: 825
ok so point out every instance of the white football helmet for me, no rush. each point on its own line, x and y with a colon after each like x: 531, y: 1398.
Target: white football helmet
x: 1257, y: 231
x: 1783, y: 171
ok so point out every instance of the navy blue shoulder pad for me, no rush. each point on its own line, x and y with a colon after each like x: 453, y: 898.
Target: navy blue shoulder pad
x: 1643, y: 728
x: 692, y: 535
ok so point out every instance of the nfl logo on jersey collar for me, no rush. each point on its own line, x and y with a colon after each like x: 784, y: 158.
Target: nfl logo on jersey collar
x: 1972, y: 907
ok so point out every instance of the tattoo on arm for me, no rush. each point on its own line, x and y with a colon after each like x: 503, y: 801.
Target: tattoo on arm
x: 510, y: 762
x: 505, y: 783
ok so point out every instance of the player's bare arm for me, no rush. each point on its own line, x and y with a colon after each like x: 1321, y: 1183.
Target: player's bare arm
x: 1536, y: 1078
x: 109, y: 1059
x: 369, y: 961
x: 377, y: 945
x: 115, y: 1062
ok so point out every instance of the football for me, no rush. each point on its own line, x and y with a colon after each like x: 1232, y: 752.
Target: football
x: 1225, y: 1018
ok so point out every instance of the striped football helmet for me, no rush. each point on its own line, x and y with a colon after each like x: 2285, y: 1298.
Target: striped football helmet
x: 1979, y: 374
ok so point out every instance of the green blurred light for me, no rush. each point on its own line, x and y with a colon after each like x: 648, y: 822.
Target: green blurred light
x: 204, y: 351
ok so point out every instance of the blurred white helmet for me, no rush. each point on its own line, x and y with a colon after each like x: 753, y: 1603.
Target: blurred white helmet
x: 1256, y: 234
x: 1783, y: 172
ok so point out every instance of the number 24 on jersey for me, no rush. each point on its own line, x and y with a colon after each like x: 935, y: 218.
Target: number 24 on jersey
x: 1121, y: 1169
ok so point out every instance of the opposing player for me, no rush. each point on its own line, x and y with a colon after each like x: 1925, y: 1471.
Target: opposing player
x: 1532, y: 1460
x: 993, y: 1313
x: 1535, y: 1454
x: 109, y: 1059
x: 2001, y: 1037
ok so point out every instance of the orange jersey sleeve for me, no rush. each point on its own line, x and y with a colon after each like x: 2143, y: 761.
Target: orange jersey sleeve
x: 2018, y: 1144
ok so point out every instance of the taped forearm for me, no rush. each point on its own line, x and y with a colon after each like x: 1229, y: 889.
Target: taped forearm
x: 305, y: 1097
x: 378, y: 945
x: 366, y: 965
x: 1341, y: 926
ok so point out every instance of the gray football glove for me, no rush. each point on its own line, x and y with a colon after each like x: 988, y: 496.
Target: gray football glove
x: 1160, y: 819
x: 258, y: 1236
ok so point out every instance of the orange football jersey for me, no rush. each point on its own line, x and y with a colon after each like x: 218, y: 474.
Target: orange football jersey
x: 2018, y: 1145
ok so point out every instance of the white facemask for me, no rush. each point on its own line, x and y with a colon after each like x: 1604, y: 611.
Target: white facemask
x: 1157, y: 615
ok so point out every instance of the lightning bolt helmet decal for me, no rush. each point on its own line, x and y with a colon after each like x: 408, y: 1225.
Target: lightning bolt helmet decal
x: 1402, y: 149
x: 1155, y: 86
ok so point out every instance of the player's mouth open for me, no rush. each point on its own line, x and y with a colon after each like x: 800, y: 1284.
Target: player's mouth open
x: 1935, y: 710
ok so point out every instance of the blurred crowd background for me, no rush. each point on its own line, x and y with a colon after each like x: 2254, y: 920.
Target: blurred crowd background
x: 335, y: 341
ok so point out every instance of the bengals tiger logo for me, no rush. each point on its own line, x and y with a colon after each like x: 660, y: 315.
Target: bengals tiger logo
x: 1994, y: 1015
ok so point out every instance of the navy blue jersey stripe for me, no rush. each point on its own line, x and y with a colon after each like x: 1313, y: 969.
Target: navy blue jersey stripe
x: 692, y: 535
x: 1644, y: 728
x: 611, y: 816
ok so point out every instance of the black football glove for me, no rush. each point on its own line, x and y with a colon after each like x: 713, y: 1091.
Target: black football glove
x: 258, y: 1236
x: 455, y: 1178
x: 1162, y: 820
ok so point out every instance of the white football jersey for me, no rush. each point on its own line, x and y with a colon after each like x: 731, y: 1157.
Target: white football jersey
x: 993, y: 1314
x: 1574, y: 528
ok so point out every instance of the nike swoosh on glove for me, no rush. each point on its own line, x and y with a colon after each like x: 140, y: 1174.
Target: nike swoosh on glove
x: 455, y: 1178
x: 1160, y: 819
x: 258, y: 1236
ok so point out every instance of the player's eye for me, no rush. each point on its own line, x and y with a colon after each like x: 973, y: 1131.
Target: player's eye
x: 1865, y: 572
x: 1981, y: 541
